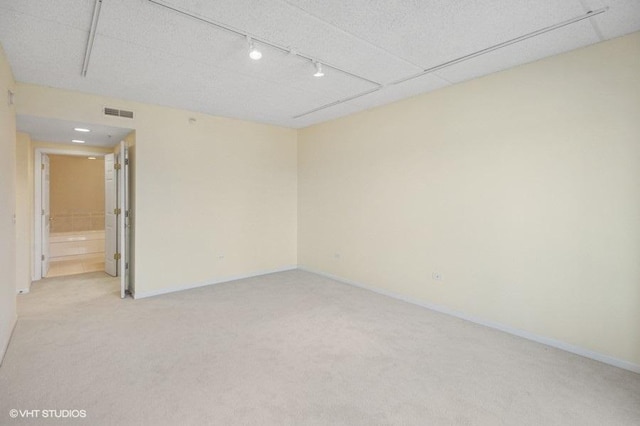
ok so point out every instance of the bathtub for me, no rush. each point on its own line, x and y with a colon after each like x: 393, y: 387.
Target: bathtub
x: 77, y: 244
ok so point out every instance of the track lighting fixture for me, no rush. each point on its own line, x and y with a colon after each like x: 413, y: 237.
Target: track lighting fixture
x: 319, y: 72
x: 254, y: 53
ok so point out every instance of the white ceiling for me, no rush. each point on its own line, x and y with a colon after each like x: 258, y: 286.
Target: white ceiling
x: 150, y: 53
x: 61, y: 131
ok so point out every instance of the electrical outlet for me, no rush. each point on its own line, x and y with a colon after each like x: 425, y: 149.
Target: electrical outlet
x: 220, y: 256
x: 336, y: 255
x: 437, y: 276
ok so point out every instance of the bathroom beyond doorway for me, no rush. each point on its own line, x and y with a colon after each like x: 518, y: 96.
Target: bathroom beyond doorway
x: 77, y: 197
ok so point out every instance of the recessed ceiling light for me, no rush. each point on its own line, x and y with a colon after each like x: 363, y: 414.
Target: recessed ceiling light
x: 80, y: 129
x: 91, y: 158
x: 77, y: 141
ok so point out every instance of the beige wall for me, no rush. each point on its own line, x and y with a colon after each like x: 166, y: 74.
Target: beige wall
x: 214, y: 199
x: 24, y: 211
x: 7, y: 206
x: 521, y: 188
x: 76, y: 193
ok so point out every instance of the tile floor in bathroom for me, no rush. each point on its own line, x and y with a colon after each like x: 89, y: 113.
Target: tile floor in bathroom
x: 77, y: 265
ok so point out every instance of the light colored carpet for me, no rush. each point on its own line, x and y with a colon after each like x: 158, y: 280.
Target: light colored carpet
x: 291, y: 348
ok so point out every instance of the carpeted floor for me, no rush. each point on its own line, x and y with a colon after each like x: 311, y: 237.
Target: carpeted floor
x: 291, y: 348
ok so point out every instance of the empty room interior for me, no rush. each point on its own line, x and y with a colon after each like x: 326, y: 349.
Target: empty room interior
x: 340, y: 212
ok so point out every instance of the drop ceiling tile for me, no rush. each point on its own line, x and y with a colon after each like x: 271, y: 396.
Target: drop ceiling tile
x: 52, y: 48
x: 73, y: 13
x: 151, y: 27
x: 433, y: 32
x: 558, y: 41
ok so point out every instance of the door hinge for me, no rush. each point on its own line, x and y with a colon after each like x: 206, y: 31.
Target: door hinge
x: 116, y: 256
x: 42, y: 212
x: 42, y: 257
x: 126, y: 162
x: 117, y: 211
x: 117, y: 166
x: 42, y: 166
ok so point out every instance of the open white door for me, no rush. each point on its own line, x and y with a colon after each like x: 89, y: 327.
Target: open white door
x: 123, y: 217
x: 46, y: 214
x: 110, y: 215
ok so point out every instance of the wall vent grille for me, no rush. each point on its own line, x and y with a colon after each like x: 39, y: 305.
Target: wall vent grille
x: 118, y: 112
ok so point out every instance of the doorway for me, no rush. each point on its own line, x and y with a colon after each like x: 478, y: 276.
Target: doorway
x: 117, y: 214
x: 81, y: 209
x: 75, y: 188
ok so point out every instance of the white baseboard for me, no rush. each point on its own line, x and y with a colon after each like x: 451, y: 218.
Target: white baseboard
x: 626, y: 365
x: 5, y: 345
x: 213, y: 281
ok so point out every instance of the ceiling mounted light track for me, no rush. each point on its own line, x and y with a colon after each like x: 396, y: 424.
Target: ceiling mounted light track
x: 589, y: 14
x: 262, y: 41
x: 92, y: 36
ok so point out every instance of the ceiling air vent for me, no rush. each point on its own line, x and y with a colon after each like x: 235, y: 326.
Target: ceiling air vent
x: 118, y: 112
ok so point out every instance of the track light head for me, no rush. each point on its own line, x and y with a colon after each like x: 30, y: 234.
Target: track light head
x: 254, y: 53
x: 318, y: 72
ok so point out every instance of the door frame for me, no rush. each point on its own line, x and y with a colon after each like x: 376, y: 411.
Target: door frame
x: 45, y: 218
x: 123, y: 204
x: 37, y: 201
